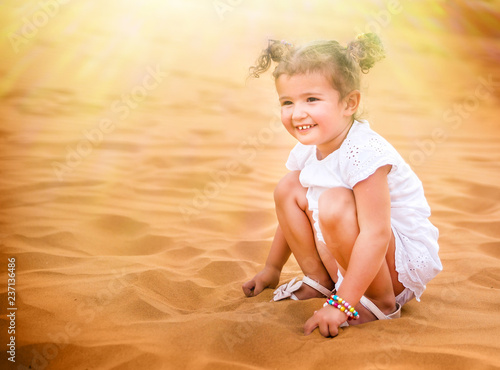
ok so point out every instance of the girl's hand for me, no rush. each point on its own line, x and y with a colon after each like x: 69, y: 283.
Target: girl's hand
x: 269, y: 277
x: 328, y: 320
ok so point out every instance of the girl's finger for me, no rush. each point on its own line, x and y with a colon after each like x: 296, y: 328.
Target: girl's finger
x: 333, y: 330
x: 310, y: 325
x: 324, y: 329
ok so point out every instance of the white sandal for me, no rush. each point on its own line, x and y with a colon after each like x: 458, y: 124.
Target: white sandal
x: 286, y: 291
x: 370, y: 306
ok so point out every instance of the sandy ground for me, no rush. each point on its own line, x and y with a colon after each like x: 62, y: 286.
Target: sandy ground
x: 138, y: 165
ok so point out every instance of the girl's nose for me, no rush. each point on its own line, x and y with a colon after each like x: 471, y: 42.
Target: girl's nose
x: 298, y: 112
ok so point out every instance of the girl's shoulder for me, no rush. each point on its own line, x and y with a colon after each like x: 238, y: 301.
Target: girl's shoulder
x: 363, y: 151
x: 362, y: 141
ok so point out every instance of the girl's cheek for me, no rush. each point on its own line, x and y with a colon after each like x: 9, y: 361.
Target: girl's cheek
x: 285, y: 116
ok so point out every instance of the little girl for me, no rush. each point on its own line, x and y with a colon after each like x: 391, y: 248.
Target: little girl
x: 351, y: 210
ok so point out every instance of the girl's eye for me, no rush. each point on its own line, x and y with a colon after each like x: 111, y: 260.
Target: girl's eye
x: 312, y: 99
x: 287, y: 102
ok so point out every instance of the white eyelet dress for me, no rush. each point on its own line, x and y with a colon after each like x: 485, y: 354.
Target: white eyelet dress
x: 360, y: 155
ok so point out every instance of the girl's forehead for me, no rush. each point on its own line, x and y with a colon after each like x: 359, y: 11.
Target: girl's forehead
x: 308, y: 80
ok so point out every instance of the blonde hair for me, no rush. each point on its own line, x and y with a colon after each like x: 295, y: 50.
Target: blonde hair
x: 342, y: 65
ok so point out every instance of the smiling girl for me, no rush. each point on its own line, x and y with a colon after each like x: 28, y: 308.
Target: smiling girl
x: 351, y: 210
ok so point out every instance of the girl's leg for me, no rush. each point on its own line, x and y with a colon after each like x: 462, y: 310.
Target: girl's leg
x: 339, y: 224
x: 294, y: 220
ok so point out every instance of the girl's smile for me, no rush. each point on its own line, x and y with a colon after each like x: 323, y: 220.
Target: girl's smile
x: 312, y: 111
x: 306, y: 127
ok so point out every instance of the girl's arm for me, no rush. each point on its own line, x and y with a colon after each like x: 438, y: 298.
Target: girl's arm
x: 373, y: 207
x: 269, y: 277
x: 280, y: 251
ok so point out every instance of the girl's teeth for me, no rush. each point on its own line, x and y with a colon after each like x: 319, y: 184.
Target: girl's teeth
x: 304, y: 127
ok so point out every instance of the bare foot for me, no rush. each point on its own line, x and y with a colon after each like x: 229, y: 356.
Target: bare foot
x: 366, y: 315
x: 308, y: 292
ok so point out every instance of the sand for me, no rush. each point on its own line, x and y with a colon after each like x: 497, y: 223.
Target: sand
x: 138, y: 166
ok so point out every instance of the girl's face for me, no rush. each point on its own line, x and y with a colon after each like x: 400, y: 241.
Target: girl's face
x: 312, y: 112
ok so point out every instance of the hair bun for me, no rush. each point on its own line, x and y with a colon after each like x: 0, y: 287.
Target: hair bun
x: 366, y: 50
x: 276, y: 51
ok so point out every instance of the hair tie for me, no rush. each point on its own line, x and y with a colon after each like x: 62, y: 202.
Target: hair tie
x: 271, y: 42
x: 353, y: 51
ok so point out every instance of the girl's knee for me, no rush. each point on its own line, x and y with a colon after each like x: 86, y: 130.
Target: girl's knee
x: 287, y: 187
x: 336, y: 205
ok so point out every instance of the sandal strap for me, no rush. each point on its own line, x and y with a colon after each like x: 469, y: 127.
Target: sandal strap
x: 286, y: 290
x: 320, y: 288
x: 370, y: 306
x: 396, y: 314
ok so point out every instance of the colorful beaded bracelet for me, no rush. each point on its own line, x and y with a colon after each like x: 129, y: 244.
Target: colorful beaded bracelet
x: 343, y: 306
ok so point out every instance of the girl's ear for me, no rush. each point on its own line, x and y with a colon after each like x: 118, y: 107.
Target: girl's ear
x: 351, y: 102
